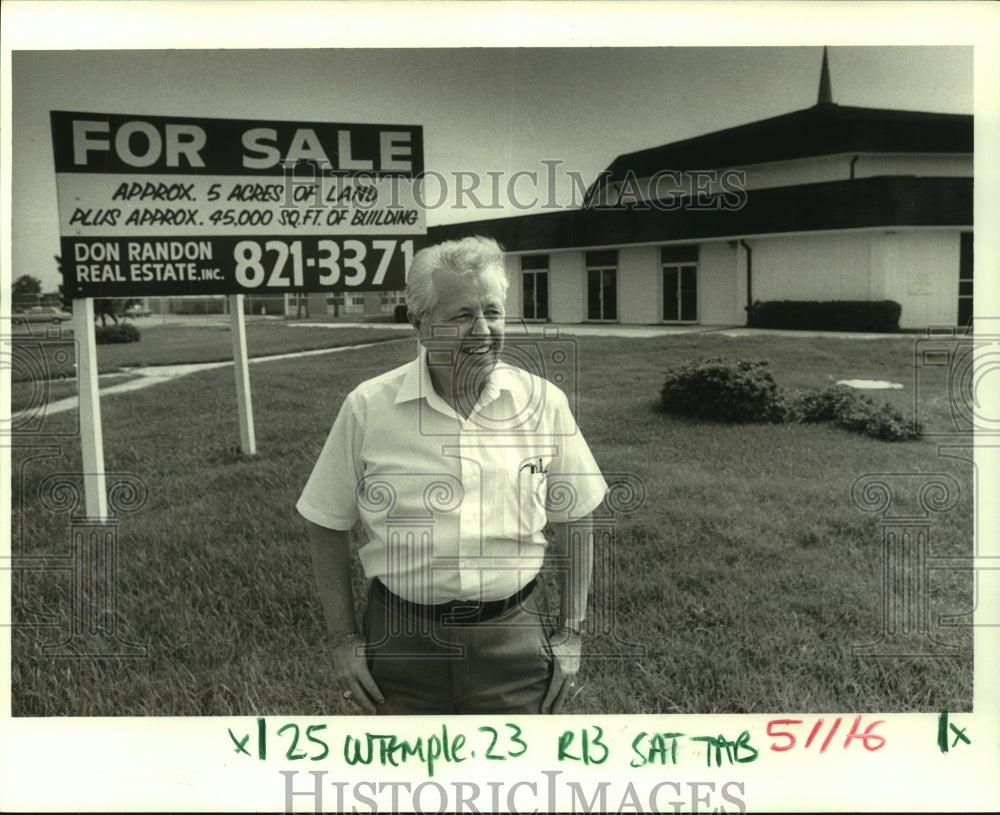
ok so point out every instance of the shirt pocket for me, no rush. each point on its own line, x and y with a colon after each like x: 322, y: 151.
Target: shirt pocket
x: 526, y: 503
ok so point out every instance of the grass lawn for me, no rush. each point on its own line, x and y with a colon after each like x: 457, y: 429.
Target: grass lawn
x: 44, y: 372
x: 744, y: 579
x: 211, y: 341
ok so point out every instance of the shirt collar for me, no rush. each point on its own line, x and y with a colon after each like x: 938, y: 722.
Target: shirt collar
x: 416, y: 381
x: 417, y: 384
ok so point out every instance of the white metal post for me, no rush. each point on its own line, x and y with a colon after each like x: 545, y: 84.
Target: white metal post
x: 91, y: 433
x: 243, y: 402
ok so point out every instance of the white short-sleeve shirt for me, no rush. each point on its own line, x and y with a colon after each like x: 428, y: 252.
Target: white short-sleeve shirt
x: 453, y: 508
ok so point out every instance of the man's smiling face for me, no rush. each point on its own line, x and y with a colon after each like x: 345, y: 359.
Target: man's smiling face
x: 467, y: 320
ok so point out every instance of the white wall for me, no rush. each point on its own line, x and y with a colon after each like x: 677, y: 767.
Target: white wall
x: 514, y: 305
x: 929, y: 165
x: 720, y: 298
x: 640, y: 285
x: 919, y: 270
x: 758, y: 176
x: 797, y: 171
x: 838, y: 168
x: 567, y: 287
x: 916, y: 268
x: 812, y: 267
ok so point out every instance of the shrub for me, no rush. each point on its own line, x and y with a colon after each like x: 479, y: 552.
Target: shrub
x: 122, y: 332
x: 878, y: 421
x: 722, y: 390
x: 399, y: 314
x: 879, y: 316
x: 850, y: 410
x: 819, y: 405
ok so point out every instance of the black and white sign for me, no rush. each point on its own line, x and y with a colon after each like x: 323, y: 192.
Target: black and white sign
x: 154, y: 205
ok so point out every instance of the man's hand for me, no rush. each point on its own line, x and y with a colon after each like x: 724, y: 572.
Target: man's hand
x: 574, y: 557
x: 566, y: 648
x: 351, y: 676
x: 331, y: 550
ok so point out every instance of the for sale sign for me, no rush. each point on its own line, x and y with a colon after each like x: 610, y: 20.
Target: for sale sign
x: 154, y: 205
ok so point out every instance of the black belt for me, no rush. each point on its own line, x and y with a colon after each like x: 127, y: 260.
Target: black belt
x: 457, y: 612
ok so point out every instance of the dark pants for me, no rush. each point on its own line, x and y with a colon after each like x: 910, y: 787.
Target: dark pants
x: 423, y: 666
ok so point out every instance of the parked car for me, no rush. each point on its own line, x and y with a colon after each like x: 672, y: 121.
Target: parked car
x: 136, y: 310
x: 46, y: 314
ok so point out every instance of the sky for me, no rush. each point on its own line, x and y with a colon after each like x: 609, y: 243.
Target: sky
x: 483, y: 109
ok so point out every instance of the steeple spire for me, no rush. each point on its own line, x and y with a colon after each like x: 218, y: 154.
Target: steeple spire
x: 825, y: 91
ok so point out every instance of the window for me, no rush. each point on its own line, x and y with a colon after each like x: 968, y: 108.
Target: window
x: 965, y: 280
x: 680, y: 283
x: 535, y: 287
x: 346, y: 304
x: 602, y: 285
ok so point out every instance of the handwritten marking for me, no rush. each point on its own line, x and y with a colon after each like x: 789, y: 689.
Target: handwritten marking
x: 592, y: 749
x: 944, y: 726
x: 240, y: 744
x: 739, y: 751
x: 784, y: 738
x: 390, y: 750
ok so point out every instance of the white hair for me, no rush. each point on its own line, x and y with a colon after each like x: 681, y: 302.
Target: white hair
x: 465, y: 256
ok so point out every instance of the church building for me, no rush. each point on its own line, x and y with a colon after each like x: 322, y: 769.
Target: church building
x: 826, y: 203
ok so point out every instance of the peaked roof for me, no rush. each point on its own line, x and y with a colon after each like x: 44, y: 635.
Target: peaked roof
x: 824, y: 129
x: 825, y: 95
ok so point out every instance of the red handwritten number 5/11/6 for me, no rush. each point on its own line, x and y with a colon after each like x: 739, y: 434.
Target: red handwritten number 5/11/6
x: 785, y: 738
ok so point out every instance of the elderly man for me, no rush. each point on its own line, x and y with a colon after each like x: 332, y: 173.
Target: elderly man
x: 454, y: 463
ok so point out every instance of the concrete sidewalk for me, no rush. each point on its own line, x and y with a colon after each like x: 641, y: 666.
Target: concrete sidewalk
x: 647, y: 331
x: 157, y: 374
x: 514, y: 326
x: 617, y: 330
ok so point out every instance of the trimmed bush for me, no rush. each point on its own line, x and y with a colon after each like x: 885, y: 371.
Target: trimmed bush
x: 722, y: 390
x: 819, y: 405
x: 122, y: 332
x: 878, y: 421
x: 852, y: 411
x: 877, y: 316
x: 399, y: 314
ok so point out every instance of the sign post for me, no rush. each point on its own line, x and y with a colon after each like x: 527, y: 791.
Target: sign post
x: 244, y: 404
x: 91, y: 434
x: 158, y: 206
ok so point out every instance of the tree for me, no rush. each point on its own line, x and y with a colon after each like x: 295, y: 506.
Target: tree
x: 26, y: 285
x: 67, y: 301
x: 105, y: 307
